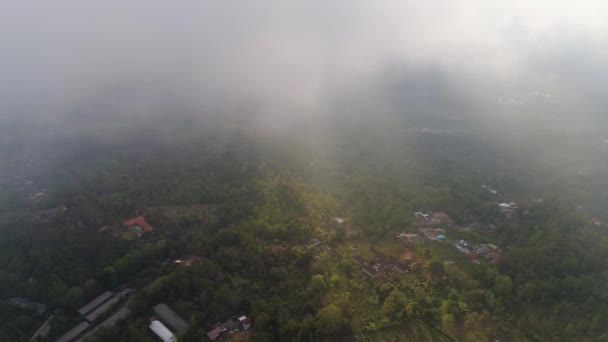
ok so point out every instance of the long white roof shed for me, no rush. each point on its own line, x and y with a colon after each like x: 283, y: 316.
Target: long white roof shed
x: 161, y: 331
x: 95, y: 303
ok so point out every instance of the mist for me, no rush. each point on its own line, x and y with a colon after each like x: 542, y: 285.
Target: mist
x: 218, y: 156
x: 286, y: 61
x: 522, y: 77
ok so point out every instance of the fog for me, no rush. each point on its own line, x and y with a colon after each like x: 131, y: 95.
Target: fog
x: 280, y: 62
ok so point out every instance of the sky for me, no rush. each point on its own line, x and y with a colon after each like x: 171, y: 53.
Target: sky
x: 286, y: 60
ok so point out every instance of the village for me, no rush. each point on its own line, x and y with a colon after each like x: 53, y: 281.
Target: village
x: 112, y: 306
x: 433, y: 227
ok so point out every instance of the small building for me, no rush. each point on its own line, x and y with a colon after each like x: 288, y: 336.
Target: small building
x: 462, y: 246
x: 493, y: 246
x: 221, y: 331
x: 483, y: 250
x: 90, y: 306
x: 432, y: 233
x: 138, y: 225
x: 161, y: 331
x: 441, y: 237
x: 74, y: 332
x: 170, y: 318
x: 245, y: 322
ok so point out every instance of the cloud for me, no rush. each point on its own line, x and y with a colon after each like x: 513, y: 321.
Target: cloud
x: 287, y: 58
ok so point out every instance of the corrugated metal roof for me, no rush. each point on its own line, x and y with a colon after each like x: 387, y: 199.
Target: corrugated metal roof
x: 75, y: 331
x: 95, y: 303
x: 161, y: 331
x: 170, y: 317
x: 102, y: 308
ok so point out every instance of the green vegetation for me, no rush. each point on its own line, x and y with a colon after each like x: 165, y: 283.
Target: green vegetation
x: 250, y: 208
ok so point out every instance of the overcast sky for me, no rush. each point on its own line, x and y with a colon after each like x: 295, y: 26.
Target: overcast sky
x: 103, y: 58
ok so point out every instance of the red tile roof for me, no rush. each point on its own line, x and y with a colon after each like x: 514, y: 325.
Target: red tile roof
x: 139, y: 221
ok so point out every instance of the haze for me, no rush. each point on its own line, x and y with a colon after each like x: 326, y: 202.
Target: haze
x: 106, y: 59
x: 318, y: 170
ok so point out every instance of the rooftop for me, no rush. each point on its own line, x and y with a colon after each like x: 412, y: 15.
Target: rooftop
x: 170, y: 317
x: 100, y: 310
x: 161, y: 331
x: 95, y: 303
x: 139, y: 221
x: 217, y: 331
x: 74, y: 332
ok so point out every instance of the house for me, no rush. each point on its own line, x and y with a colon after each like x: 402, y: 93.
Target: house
x: 223, y: 330
x: 245, y: 322
x: 432, y: 234
x: 74, y: 332
x: 170, y: 318
x: 493, y: 246
x: 483, y: 250
x: 138, y: 225
x: 161, y: 331
x: 90, y: 306
x: 462, y: 246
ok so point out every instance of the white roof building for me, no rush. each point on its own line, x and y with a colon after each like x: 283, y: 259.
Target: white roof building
x: 161, y: 331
